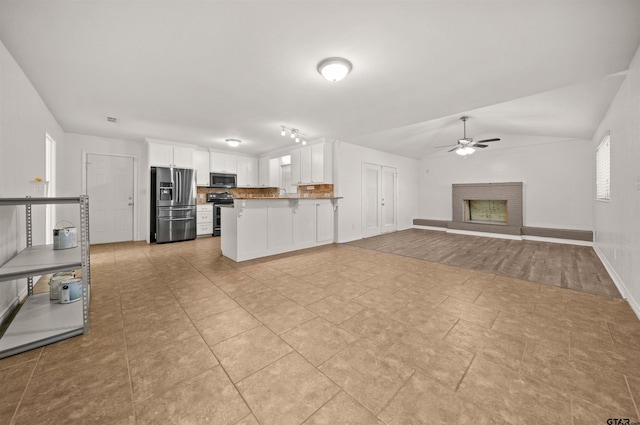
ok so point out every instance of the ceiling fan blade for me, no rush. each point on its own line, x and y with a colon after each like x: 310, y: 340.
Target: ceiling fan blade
x: 453, y: 149
x: 480, y: 146
x: 487, y: 141
x: 442, y: 146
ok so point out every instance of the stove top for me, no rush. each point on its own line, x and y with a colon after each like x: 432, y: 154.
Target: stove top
x: 214, y: 197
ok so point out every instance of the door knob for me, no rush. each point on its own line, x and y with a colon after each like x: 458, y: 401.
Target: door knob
x: 130, y: 203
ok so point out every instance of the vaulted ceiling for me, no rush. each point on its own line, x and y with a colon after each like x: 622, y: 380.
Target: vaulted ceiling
x: 202, y: 71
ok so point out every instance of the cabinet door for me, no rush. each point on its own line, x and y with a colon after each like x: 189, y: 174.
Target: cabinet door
x: 216, y: 162
x: 252, y: 172
x: 280, y: 229
x: 324, y: 221
x: 263, y: 172
x: 252, y: 229
x: 230, y: 163
x: 304, y: 224
x: 295, y: 167
x: 201, y: 160
x: 182, y: 157
x: 247, y: 171
x: 160, y: 155
x: 305, y: 164
x: 317, y: 163
x: 223, y: 163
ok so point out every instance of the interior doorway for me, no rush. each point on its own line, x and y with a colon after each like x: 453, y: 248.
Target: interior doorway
x: 111, y: 188
x: 379, y: 199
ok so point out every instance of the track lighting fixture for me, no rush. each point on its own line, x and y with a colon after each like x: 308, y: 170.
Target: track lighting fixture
x: 294, y: 133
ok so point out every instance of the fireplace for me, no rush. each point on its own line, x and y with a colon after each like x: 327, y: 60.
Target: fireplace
x: 486, y: 211
x: 487, y: 207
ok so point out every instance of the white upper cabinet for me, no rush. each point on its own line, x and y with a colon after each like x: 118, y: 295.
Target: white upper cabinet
x: 295, y: 167
x: 183, y: 157
x: 317, y: 163
x: 167, y: 155
x: 263, y: 171
x: 305, y: 164
x: 311, y: 164
x: 201, y: 162
x: 222, y: 163
x: 247, y: 170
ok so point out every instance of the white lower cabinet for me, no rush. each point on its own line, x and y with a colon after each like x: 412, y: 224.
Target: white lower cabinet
x: 257, y: 228
x: 204, y: 220
x: 279, y: 224
x: 304, y: 224
x: 324, y: 222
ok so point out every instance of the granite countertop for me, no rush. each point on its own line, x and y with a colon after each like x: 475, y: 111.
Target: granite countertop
x: 257, y: 198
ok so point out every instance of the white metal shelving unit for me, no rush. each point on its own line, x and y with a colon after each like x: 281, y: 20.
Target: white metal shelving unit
x: 39, y: 320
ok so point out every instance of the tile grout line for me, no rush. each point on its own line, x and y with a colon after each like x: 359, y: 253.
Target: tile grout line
x: 219, y: 363
x: 465, y: 372
x: 24, y: 391
x: 396, y: 393
x: 635, y: 402
x: 571, y: 408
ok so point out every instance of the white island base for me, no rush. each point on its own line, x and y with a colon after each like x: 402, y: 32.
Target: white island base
x: 259, y: 227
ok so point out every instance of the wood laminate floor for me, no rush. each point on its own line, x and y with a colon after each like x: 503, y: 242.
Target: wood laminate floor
x: 567, y: 266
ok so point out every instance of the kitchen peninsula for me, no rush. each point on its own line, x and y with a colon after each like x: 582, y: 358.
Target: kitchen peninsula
x: 261, y: 222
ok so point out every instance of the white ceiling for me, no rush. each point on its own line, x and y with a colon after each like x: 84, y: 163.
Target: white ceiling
x: 202, y: 71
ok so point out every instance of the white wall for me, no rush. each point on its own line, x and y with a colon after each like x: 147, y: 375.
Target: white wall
x: 348, y: 184
x: 557, y: 179
x: 617, y: 222
x: 70, y: 176
x: 24, y: 120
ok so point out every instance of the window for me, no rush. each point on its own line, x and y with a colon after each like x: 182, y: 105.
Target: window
x: 603, y: 170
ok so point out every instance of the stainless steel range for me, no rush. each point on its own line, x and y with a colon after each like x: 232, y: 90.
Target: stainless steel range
x: 218, y: 199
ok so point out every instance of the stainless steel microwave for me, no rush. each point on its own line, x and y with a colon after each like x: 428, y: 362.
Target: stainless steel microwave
x: 222, y: 180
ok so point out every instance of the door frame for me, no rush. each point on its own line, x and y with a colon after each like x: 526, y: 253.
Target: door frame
x: 85, y: 174
x: 380, y: 168
x: 395, y: 198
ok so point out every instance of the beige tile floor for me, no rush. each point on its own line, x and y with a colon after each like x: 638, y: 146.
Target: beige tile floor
x: 335, y: 335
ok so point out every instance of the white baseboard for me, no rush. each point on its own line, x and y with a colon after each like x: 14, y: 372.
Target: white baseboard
x: 635, y: 305
x: 557, y: 240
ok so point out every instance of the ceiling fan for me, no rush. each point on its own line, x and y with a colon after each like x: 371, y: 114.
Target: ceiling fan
x: 466, y: 145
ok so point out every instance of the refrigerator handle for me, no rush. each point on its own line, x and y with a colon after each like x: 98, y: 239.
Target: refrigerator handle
x: 178, y: 181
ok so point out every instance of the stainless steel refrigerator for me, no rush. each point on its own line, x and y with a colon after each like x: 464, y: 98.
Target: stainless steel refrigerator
x: 173, y: 204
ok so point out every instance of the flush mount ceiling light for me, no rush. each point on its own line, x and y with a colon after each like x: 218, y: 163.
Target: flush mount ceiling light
x: 334, y: 69
x: 234, y: 143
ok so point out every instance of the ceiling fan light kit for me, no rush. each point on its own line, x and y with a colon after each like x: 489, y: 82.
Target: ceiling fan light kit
x: 234, y: 143
x: 466, y: 145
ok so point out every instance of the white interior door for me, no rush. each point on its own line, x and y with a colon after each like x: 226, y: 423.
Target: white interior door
x: 388, y: 206
x: 111, y: 201
x: 371, y: 196
x: 379, y: 203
